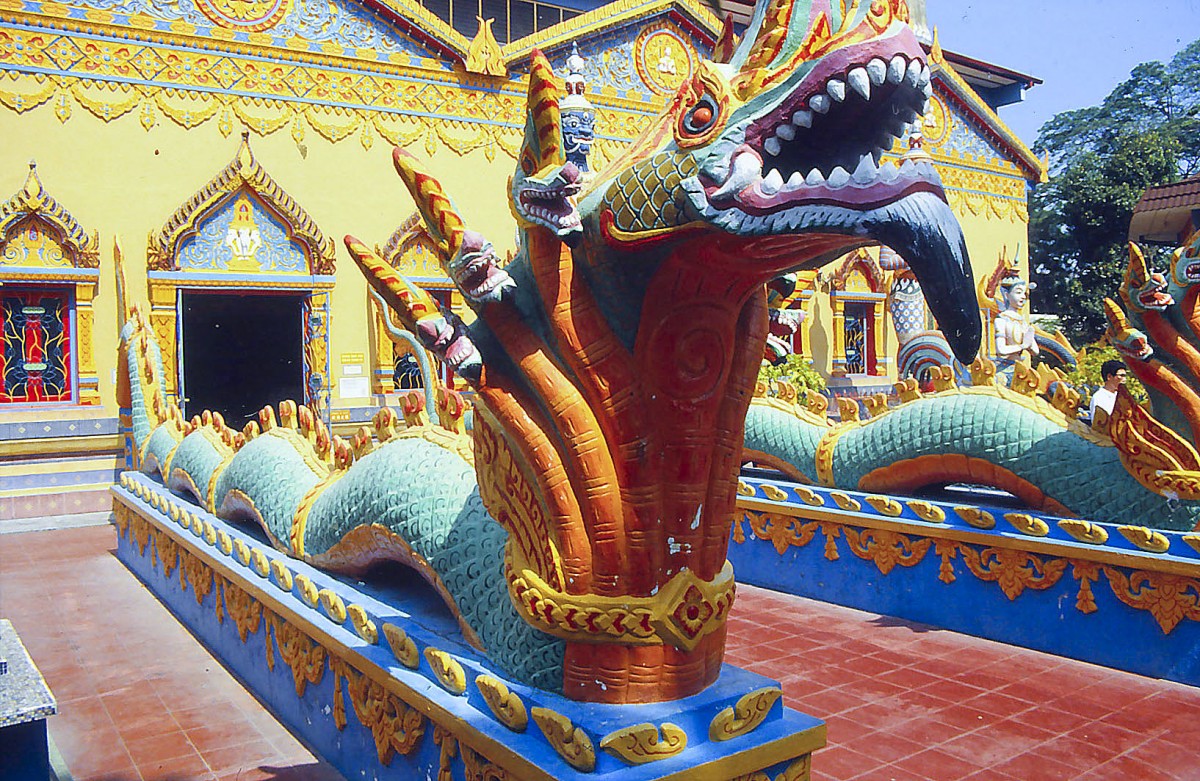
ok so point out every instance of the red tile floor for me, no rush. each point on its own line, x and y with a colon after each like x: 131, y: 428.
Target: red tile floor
x: 140, y: 699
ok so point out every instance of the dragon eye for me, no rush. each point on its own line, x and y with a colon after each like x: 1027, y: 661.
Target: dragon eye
x: 527, y: 164
x: 701, y: 116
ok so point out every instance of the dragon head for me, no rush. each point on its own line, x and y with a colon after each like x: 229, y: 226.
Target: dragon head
x: 1142, y: 289
x: 1185, y: 263
x: 781, y: 148
x: 1131, y: 343
x: 542, y: 186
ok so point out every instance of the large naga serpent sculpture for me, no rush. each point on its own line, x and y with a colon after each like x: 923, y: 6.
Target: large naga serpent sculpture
x: 580, y: 532
x: 1025, y: 437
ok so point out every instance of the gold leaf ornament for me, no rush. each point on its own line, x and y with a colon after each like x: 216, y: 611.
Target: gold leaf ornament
x: 744, y: 717
x: 571, y: 743
x: 447, y: 670
x: 644, y: 743
x: 403, y: 647
x: 506, y: 706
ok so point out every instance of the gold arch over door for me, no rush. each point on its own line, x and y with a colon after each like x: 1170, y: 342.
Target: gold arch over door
x: 242, y: 232
x: 43, y: 247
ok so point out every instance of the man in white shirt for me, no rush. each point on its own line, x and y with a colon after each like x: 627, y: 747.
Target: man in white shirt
x: 1112, y: 373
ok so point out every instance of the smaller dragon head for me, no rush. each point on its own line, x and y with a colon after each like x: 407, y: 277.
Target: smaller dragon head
x: 1142, y: 289
x: 544, y: 183
x: 1128, y: 341
x: 476, y: 271
x: 1185, y: 263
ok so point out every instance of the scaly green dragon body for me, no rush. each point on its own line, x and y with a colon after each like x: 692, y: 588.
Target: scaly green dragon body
x: 579, y: 531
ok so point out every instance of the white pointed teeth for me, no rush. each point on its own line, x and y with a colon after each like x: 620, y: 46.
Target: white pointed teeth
x: 913, y: 73
x: 772, y: 145
x: 836, y: 89
x: 866, y: 170
x: 802, y: 118
x: 745, y: 170
x: 895, y: 69
x: 795, y: 181
x: 925, y: 107
x: 888, y: 172
x: 927, y: 90
x: 819, y: 103
x: 772, y: 183
x: 860, y: 82
x: 877, y: 71
x: 786, y: 132
x: 925, y: 78
x: 839, y: 177
x: 814, y: 178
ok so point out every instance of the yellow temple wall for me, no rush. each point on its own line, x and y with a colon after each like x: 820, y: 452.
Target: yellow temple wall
x: 118, y: 178
x: 123, y: 159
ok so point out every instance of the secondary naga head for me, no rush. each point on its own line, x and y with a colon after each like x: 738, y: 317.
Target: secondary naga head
x: 781, y: 147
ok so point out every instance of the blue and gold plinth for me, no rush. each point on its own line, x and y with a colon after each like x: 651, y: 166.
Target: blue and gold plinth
x: 381, y: 691
x: 1124, y: 596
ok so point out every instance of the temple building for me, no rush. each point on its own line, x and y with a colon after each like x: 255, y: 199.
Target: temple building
x: 219, y: 151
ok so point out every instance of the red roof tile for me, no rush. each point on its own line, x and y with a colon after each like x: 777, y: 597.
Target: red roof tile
x: 1180, y: 195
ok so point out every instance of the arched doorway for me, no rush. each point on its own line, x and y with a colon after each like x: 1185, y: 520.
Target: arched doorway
x: 239, y: 281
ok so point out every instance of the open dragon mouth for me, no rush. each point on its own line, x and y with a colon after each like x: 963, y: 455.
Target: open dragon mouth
x: 812, y: 165
x: 1155, y: 297
x: 551, y: 205
x: 824, y: 144
x: 1191, y: 271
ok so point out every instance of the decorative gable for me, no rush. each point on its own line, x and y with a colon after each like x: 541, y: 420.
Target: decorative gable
x: 242, y: 221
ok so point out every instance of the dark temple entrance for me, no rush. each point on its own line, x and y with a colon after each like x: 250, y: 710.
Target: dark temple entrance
x: 240, y: 353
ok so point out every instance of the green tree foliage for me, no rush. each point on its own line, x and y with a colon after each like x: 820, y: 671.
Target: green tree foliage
x: 794, y: 369
x: 1102, y: 158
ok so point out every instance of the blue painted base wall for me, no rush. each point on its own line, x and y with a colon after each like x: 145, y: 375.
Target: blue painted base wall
x: 308, y: 713
x: 1115, y: 634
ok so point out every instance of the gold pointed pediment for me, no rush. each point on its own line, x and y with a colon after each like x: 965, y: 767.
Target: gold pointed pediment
x: 243, y: 174
x: 34, y: 212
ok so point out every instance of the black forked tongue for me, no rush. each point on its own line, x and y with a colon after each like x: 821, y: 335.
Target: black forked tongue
x: 923, y: 229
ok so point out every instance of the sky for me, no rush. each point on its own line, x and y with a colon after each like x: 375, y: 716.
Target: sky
x: 1080, y: 50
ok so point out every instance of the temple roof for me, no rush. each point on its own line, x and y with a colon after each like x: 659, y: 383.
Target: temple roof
x: 1165, y: 212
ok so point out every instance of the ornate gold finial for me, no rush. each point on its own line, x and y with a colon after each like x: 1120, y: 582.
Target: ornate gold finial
x: 876, y: 404
x: 943, y: 378
x: 403, y: 647
x: 817, y: 403
x: 1027, y: 524
x: 885, y: 505
x: 484, y: 55
x: 907, y: 389
x: 847, y: 409
x: 936, y: 55
x: 1145, y: 539
x: 451, y: 409
x: 983, y: 372
x: 644, y: 743
x: 1025, y: 380
x: 980, y: 519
